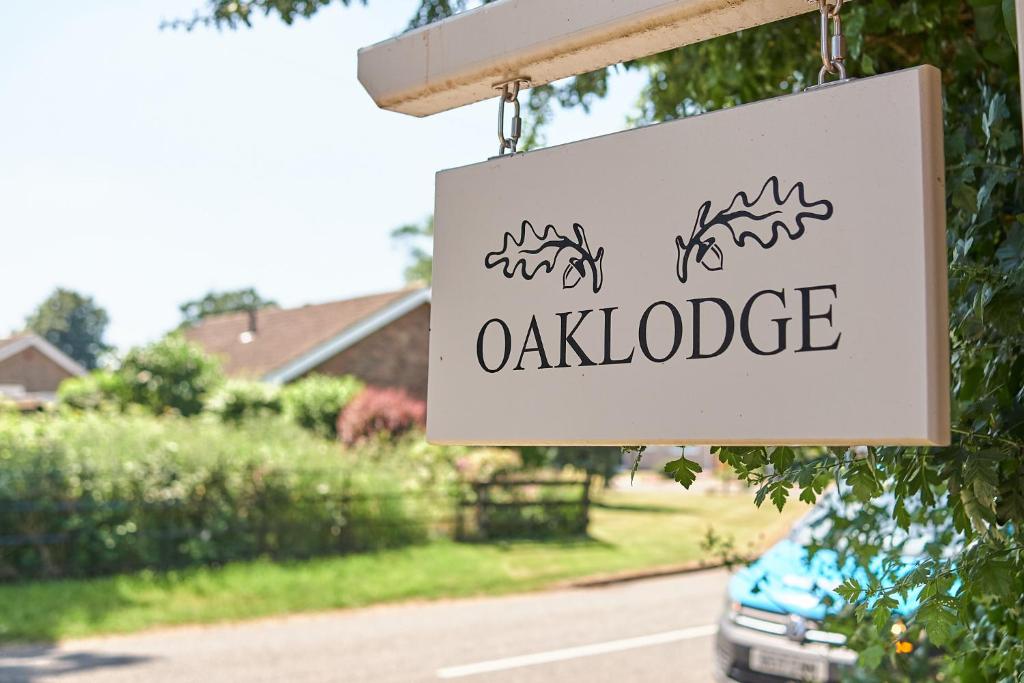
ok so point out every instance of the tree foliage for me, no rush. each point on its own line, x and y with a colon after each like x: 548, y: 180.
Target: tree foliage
x: 238, y: 13
x: 172, y: 375
x: 419, y: 238
x: 74, y: 323
x: 216, y: 303
x: 973, y: 490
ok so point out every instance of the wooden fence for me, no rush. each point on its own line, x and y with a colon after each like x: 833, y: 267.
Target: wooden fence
x: 507, y: 507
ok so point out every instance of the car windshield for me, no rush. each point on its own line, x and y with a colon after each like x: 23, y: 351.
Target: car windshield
x: 815, y: 526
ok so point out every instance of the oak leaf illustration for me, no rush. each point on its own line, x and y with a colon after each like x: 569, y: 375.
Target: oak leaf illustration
x: 533, y: 252
x: 762, y: 221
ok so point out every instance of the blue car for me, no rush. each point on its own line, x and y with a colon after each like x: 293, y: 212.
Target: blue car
x: 771, y: 630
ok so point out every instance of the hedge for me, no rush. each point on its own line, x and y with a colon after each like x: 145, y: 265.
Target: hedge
x: 95, y: 493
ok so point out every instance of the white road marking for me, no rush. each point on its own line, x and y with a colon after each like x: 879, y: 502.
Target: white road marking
x: 576, y: 652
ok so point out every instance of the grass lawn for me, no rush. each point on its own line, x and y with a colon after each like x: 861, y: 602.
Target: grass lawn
x: 629, y: 530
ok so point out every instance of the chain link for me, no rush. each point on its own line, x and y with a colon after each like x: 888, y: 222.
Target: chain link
x: 510, y: 95
x: 833, y: 43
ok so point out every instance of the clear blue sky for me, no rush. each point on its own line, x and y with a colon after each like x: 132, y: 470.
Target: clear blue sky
x: 145, y: 167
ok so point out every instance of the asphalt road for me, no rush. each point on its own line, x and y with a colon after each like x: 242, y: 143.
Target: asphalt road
x: 655, y: 630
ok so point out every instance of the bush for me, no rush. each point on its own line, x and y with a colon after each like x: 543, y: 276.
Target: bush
x: 99, y: 389
x: 170, y: 375
x: 483, y: 464
x: 94, y: 493
x: 315, y: 401
x: 7, y: 406
x: 391, y: 412
x: 239, y: 400
x: 604, y: 461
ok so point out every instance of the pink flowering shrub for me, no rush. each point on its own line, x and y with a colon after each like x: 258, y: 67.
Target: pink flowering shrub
x: 380, y: 411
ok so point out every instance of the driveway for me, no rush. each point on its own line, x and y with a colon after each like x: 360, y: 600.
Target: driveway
x: 650, y: 631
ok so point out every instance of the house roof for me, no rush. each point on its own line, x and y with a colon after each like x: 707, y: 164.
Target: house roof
x: 289, y: 342
x: 12, y: 346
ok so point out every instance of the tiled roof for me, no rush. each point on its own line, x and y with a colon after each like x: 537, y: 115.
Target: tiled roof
x: 284, y: 334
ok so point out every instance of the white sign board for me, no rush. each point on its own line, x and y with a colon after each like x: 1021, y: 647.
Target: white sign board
x: 769, y: 274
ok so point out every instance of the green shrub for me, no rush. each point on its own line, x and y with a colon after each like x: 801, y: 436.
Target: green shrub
x: 94, y: 493
x: 98, y: 389
x: 7, y: 405
x: 603, y: 461
x: 315, y: 402
x: 483, y: 464
x: 170, y: 375
x: 239, y: 400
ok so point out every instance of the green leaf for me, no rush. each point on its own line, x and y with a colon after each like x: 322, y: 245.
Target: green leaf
x: 881, y: 615
x: 683, y: 471
x: 849, y: 590
x: 807, y: 495
x: 636, y: 461
x: 862, y: 478
x: 780, y: 494
x: 1009, y: 19
x: 782, y: 458
x: 871, y: 657
x: 937, y: 619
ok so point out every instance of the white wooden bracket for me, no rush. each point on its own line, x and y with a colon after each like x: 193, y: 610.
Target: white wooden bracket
x: 459, y: 60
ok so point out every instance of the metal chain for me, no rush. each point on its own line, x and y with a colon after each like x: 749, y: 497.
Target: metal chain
x: 510, y: 95
x: 833, y: 43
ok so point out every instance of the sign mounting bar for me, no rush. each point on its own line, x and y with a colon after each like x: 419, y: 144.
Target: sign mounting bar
x: 461, y: 59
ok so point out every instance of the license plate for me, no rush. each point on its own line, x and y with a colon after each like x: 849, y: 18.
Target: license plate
x: 780, y: 664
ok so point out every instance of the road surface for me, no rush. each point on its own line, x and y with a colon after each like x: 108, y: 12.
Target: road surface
x: 648, y: 631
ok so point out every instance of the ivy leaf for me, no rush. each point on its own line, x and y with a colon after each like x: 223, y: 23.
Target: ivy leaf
x: 683, y: 471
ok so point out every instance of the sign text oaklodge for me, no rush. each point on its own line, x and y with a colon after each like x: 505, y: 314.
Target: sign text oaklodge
x: 495, y: 339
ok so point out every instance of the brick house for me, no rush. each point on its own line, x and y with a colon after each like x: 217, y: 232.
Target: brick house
x: 32, y: 368
x: 381, y: 339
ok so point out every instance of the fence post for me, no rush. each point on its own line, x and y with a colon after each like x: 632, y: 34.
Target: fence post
x: 586, y: 502
x: 481, y: 502
x: 459, y: 499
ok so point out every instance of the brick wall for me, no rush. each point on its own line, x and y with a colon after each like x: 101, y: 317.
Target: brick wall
x: 32, y: 370
x: 394, y: 356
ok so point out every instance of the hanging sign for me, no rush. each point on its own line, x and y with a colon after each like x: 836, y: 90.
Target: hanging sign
x: 773, y: 273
